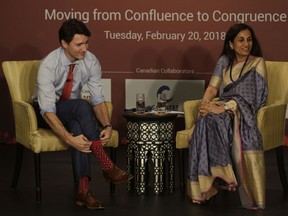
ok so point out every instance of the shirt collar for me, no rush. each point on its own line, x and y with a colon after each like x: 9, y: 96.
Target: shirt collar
x: 65, y: 61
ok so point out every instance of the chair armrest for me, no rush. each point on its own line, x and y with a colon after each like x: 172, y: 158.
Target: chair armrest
x: 191, y: 111
x: 114, y: 140
x: 271, y: 123
x: 25, y: 119
x: 110, y: 108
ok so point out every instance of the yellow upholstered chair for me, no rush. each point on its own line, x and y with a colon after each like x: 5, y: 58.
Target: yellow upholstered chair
x: 270, y: 120
x: 21, y: 78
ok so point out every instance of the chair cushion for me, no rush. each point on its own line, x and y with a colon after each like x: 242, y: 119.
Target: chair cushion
x: 44, y: 140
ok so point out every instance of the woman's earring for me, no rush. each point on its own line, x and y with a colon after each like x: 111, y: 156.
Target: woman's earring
x: 231, y: 47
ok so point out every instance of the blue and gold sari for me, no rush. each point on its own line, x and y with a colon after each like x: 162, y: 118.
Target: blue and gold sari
x: 228, y: 146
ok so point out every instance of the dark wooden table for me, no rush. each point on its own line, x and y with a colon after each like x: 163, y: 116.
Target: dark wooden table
x: 150, y: 134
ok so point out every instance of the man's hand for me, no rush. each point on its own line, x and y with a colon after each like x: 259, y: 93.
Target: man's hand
x: 80, y: 142
x: 105, y: 135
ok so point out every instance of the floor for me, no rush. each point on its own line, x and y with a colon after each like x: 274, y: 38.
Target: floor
x: 57, y: 191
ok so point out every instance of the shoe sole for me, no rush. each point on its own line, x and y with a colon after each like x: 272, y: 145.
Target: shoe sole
x: 120, y: 182
x: 89, y: 207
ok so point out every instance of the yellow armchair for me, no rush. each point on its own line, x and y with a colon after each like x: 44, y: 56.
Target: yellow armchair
x: 270, y: 120
x: 21, y: 77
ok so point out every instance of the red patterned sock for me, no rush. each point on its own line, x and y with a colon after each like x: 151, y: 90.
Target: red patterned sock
x: 83, y: 184
x: 101, y: 155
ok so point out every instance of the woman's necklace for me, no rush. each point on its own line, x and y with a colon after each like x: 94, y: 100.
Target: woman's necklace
x: 241, y: 69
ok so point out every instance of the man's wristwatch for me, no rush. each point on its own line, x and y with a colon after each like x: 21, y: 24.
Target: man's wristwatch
x: 226, y: 107
x: 106, y: 126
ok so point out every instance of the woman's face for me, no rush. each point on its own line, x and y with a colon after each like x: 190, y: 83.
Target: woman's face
x: 242, y: 44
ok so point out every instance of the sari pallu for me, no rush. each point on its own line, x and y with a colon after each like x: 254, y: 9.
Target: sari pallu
x: 228, y: 145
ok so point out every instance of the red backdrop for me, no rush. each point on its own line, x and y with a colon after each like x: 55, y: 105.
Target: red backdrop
x: 29, y: 31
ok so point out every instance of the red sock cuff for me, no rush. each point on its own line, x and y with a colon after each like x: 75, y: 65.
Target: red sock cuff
x: 83, y: 184
x: 96, y: 143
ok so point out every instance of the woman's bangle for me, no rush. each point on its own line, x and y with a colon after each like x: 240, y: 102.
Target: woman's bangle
x: 205, y: 99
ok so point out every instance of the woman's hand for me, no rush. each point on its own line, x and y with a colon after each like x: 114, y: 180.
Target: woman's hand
x: 205, y: 107
x: 217, y: 108
x: 210, y: 107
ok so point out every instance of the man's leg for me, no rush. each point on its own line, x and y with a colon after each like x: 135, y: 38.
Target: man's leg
x: 79, y: 118
x: 66, y: 111
x: 82, y: 113
x: 81, y: 170
x: 80, y: 160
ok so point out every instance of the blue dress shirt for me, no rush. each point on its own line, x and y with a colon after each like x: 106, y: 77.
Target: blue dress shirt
x: 52, y: 75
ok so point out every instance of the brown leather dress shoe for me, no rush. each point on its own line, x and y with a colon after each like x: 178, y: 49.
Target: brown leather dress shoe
x: 87, y: 199
x: 116, y: 175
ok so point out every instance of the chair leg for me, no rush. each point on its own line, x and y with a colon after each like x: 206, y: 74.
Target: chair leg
x: 281, y: 168
x: 181, y: 172
x: 113, y: 158
x: 37, y: 165
x: 18, y: 165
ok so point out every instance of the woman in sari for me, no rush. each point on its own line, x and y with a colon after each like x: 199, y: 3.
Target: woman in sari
x: 226, y: 150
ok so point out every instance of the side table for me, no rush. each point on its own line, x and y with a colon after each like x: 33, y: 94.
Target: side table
x: 155, y: 134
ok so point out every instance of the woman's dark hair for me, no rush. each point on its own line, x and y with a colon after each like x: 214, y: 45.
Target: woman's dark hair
x: 230, y: 36
x: 71, y: 27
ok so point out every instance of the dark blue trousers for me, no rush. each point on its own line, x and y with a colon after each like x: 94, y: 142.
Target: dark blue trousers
x: 78, y: 117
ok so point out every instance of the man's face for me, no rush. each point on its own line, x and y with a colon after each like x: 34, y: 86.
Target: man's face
x: 77, y: 48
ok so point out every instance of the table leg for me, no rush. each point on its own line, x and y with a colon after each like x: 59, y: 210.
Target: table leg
x: 170, y: 156
x: 130, y: 165
x: 141, y: 158
x: 157, y: 158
